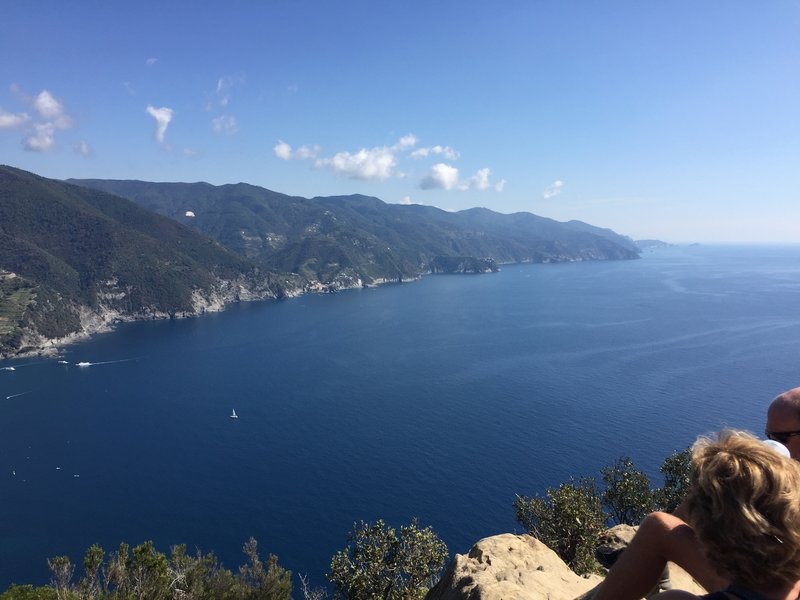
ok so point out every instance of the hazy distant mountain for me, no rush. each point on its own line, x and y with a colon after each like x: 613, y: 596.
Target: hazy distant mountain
x: 606, y: 233
x: 360, y: 238
x: 652, y: 244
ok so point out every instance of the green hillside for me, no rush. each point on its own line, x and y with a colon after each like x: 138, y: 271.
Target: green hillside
x: 360, y: 237
x: 73, y: 248
x: 103, y: 250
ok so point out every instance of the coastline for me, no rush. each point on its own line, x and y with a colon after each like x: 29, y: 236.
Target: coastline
x: 103, y: 319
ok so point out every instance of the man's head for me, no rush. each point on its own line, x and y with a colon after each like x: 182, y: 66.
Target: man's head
x: 783, y: 421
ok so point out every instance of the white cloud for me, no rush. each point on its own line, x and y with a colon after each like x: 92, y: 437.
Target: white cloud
x: 51, y: 117
x: 83, y: 148
x: 42, y: 139
x: 374, y: 164
x: 381, y: 162
x: 444, y: 151
x: 442, y: 177
x: 479, y: 181
x: 405, y: 142
x: 163, y: 116
x: 47, y: 105
x: 307, y: 152
x: 151, y: 61
x: 225, y: 124
x: 190, y: 152
x: 292, y: 89
x: 52, y: 110
x: 500, y: 185
x: 407, y: 200
x: 554, y: 189
x: 224, y: 86
x: 10, y: 120
x: 283, y: 150
x: 129, y: 88
x: 446, y: 177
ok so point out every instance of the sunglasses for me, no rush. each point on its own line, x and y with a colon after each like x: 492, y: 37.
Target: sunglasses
x: 780, y: 436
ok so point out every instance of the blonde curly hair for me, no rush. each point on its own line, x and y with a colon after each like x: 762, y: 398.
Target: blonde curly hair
x: 744, y: 505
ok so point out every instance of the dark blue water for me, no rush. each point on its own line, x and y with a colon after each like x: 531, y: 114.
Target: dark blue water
x: 439, y: 399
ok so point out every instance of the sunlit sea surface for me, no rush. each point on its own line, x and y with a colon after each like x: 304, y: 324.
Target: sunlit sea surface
x: 438, y: 399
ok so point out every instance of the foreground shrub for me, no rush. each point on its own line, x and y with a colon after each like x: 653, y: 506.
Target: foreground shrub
x: 569, y: 519
x: 381, y: 564
x: 28, y: 592
x: 144, y: 573
x: 627, y: 493
x: 677, y: 471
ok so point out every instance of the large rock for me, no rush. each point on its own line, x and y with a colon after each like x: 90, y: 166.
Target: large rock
x: 510, y: 567
x: 613, y: 542
x: 520, y: 567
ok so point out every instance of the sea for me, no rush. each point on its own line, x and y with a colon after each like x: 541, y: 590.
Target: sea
x: 438, y: 399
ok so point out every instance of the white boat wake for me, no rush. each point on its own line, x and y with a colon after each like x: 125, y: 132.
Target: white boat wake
x: 17, y: 395
x: 104, y: 362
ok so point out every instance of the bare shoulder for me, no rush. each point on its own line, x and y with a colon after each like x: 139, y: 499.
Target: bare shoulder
x: 677, y: 595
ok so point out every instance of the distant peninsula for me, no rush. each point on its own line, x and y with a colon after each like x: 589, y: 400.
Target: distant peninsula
x: 78, y: 256
x: 651, y: 244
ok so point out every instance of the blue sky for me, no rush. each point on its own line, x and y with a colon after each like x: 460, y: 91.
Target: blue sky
x: 675, y: 120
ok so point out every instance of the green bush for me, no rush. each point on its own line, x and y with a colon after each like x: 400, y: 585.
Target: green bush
x: 569, y: 519
x: 28, y: 592
x: 144, y: 573
x: 381, y: 564
x: 627, y: 493
x: 677, y: 471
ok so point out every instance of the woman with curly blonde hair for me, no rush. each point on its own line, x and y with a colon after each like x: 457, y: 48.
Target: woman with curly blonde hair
x: 744, y: 507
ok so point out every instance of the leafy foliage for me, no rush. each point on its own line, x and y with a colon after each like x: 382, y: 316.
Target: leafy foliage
x: 16, y: 295
x: 144, y: 573
x: 381, y: 564
x: 28, y: 592
x: 627, y: 492
x: 677, y: 471
x: 569, y: 519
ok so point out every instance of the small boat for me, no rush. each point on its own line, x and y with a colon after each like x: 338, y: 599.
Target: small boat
x: 84, y: 364
x: 233, y: 414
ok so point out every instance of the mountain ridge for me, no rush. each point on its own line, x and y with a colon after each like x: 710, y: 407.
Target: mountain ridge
x: 360, y: 236
x: 78, y: 255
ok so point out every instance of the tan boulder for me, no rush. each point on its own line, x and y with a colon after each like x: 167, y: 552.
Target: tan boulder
x: 520, y: 567
x: 510, y: 567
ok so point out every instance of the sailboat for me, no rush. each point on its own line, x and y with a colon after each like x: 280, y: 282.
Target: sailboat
x: 233, y: 414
